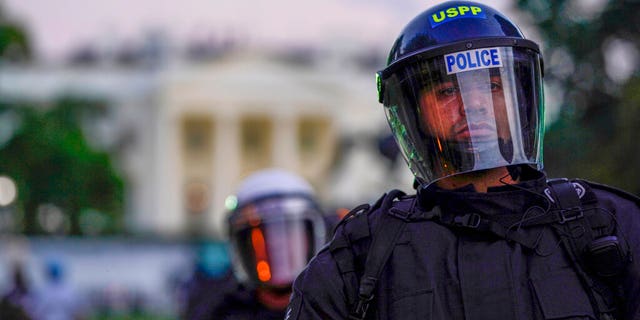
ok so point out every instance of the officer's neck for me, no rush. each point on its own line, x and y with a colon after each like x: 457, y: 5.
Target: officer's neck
x: 480, y: 180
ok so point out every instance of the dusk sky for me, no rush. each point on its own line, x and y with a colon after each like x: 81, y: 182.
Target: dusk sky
x: 57, y: 26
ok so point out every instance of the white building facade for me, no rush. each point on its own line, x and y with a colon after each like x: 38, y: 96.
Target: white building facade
x: 189, y: 132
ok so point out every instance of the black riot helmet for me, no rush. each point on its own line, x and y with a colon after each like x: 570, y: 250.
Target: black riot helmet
x: 275, y: 227
x: 462, y: 92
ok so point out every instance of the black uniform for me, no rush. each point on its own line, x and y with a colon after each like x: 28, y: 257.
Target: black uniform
x: 437, y: 271
x: 223, y: 298
x: 244, y: 306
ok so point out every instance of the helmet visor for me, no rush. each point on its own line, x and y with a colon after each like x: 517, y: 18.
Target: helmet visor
x: 276, y: 239
x: 467, y: 111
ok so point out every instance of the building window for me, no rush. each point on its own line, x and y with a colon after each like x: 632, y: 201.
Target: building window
x: 257, y: 143
x: 198, y: 136
x: 314, y: 138
x: 197, y: 155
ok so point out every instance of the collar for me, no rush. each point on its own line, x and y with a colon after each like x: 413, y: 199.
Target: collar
x: 502, y: 199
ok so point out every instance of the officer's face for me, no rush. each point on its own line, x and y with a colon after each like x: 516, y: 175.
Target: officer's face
x: 289, y: 245
x: 447, y: 117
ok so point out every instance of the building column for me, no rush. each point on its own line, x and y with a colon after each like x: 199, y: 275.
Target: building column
x: 168, y: 216
x: 285, y: 144
x: 226, y: 164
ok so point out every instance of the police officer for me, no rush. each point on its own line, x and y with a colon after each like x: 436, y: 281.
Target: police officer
x: 487, y: 235
x: 275, y: 227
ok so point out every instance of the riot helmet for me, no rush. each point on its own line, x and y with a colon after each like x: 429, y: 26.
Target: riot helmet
x: 275, y: 227
x: 462, y: 92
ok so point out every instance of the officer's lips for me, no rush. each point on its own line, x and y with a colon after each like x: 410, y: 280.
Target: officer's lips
x: 479, y: 131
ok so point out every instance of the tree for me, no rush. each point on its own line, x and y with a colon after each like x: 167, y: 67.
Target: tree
x: 52, y: 164
x: 14, y: 42
x: 595, y: 136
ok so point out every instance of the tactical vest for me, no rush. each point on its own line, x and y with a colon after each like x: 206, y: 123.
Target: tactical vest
x: 587, y: 235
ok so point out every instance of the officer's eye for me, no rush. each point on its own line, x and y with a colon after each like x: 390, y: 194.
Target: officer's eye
x: 496, y: 86
x: 448, y: 91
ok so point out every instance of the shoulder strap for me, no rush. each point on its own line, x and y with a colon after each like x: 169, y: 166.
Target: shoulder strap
x: 342, y: 251
x: 350, y: 244
x: 360, y: 254
x: 580, y: 238
x: 389, y: 229
x: 563, y: 194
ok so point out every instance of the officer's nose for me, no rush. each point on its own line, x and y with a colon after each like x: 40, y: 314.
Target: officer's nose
x: 477, y: 102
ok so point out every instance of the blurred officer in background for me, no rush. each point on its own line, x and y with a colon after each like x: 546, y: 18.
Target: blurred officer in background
x: 17, y: 302
x: 211, y: 280
x: 275, y: 227
x: 57, y: 299
x: 486, y: 236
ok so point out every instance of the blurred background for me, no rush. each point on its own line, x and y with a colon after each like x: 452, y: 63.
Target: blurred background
x: 125, y: 125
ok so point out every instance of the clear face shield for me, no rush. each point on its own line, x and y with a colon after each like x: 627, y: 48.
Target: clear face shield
x: 467, y: 111
x: 274, y: 239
